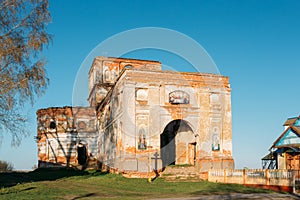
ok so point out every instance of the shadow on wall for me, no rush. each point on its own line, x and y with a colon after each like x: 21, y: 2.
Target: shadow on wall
x: 9, y: 179
x: 62, y: 133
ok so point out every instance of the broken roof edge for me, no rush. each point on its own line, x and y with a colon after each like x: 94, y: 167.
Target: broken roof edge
x: 177, y: 72
x: 103, y: 58
x: 124, y: 59
x: 65, y: 108
x: 119, y: 59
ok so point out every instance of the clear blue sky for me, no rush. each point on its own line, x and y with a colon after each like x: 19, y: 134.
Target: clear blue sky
x: 255, y: 43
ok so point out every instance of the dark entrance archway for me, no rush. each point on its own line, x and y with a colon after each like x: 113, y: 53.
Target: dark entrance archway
x: 177, y: 144
x: 81, y: 154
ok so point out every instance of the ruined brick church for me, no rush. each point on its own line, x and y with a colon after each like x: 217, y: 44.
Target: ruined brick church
x: 140, y: 119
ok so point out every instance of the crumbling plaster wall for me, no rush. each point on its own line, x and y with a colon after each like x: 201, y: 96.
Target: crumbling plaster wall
x: 132, y: 102
x: 61, y: 130
x: 143, y: 103
x: 106, y: 70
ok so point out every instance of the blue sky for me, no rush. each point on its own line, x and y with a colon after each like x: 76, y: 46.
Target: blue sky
x: 255, y: 43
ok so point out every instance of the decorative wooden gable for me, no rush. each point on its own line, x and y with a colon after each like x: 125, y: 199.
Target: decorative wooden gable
x: 288, y: 138
x: 297, y: 123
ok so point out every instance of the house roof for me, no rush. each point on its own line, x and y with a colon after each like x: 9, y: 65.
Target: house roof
x: 295, y: 129
x: 294, y: 149
x: 270, y: 156
x: 292, y: 125
x: 290, y: 121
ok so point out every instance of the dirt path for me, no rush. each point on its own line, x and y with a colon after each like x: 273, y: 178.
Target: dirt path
x: 240, y: 196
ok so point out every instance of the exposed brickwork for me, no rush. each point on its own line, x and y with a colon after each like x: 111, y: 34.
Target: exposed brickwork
x: 135, y: 109
x: 60, y: 130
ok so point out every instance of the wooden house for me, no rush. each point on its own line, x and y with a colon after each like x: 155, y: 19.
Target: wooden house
x: 285, y: 151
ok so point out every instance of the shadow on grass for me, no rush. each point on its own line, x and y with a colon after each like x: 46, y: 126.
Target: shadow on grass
x: 220, y: 188
x: 85, y: 196
x: 9, y: 179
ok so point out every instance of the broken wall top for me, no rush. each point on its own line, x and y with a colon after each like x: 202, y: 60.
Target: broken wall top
x: 105, y: 70
x: 66, y: 119
x: 192, y: 79
x: 112, y: 62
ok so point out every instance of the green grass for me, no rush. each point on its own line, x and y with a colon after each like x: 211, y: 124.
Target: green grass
x: 70, y: 184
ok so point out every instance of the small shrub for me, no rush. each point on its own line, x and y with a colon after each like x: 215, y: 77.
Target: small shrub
x: 6, y: 166
x: 34, y: 167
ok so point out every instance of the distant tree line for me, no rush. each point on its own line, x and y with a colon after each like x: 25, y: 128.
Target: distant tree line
x: 6, y: 166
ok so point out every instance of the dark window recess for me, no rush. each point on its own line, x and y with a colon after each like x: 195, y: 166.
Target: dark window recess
x: 52, y: 125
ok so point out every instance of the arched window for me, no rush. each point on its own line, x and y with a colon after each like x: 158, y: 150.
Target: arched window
x: 215, y: 142
x: 52, y: 125
x: 107, y: 76
x: 142, y: 144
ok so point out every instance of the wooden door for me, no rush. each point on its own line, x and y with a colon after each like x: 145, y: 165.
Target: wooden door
x: 191, y: 153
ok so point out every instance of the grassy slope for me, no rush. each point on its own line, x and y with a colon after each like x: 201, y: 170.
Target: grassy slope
x: 66, y: 184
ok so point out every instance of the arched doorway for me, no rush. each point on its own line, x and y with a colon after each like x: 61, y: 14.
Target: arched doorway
x: 177, y: 144
x: 82, y: 154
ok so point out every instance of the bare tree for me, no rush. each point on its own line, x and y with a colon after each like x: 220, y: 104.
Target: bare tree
x: 23, y: 36
x: 6, y: 166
